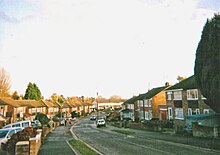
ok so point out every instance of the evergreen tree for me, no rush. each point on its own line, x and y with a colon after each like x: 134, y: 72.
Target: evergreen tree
x: 32, y: 92
x: 15, y: 95
x: 207, y: 63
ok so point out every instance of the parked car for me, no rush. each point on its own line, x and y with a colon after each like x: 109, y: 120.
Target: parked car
x: 24, y: 124
x: 5, y: 134
x: 100, y: 122
x: 93, y: 117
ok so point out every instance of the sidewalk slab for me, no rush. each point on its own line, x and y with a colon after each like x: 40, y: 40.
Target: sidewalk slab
x: 56, y: 142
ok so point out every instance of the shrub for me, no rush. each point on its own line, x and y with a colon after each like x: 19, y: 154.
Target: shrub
x: 42, y: 118
x: 23, y: 135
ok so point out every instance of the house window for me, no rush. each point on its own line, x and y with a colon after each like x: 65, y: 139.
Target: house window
x: 177, y: 95
x: 140, y: 103
x: 169, y: 96
x: 192, y: 94
x: 130, y: 106
x: 148, y: 115
x: 179, y: 113
x: 170, y: 113
x: 189, y: 111
x: 206, y: 111
x: 197, y: 111
x: 150, y: 103
x: 203, y: 97
x: 145, y: 103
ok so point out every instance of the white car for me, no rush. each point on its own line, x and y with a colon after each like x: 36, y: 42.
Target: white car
x: 6, y: 134
x: 100, y: 122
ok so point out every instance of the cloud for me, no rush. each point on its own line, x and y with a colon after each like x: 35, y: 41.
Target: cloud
x: 6, y: 18
x: 115, y: 45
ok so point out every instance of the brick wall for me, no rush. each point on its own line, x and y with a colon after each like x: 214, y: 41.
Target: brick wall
x: 30, y: 147
x: 22, y: 148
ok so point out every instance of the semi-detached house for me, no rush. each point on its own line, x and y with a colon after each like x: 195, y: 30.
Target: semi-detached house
x: 184, y: 99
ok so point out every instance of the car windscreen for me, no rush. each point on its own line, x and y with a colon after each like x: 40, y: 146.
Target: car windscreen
x: 3, y: 133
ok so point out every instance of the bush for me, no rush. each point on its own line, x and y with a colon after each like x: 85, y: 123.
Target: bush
x: 42, y: 118
x: 23, y: 135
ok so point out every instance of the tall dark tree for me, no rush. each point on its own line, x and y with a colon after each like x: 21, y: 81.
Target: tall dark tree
x: 207, y: 63
x: 32, y: 92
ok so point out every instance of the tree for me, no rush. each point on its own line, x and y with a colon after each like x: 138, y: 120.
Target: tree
x: 180, y: 78
x: 58, y: 98
x: 42, y: 118
x: 115, y: 99
x: 15, y: 95
x: 207, y: 63
x: 32, y: 92
x: 4, y: 83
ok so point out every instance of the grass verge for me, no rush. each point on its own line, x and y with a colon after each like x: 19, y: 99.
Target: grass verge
x: 82, y: 148
x: 126, y: 132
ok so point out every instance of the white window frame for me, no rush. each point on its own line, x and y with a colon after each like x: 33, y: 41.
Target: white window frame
x: 192, y: 94
x: 140, y: 102
x: 197, y: 111
x: 203, y: 97
x: 150, y: 102
x: 179, y: 113
x: 177, y: 95
x: 148, y: 115
x: 206, y: 111
x: 170, y: 113
x: 189, y: 111
x: 146, y: 103
x: 169, y: 96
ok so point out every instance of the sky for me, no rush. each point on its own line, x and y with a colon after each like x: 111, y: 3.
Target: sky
x: 113, y: 47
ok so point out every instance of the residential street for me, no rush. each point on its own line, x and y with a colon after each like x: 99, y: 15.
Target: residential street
x: 142, y: 142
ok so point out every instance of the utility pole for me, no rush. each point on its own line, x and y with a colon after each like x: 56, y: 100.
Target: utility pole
x: 97, y: 105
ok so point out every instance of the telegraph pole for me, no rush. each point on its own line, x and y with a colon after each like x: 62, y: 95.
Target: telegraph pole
x: 97, y: 105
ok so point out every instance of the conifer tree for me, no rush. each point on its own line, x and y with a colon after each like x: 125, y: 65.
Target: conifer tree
x: 207, y: 63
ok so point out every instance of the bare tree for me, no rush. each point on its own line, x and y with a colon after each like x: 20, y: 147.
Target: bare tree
x: 5, y: 83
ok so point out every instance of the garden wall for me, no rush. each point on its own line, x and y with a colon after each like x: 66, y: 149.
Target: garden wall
x: 205, y: 131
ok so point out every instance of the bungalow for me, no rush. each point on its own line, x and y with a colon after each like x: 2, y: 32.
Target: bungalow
x: 185, y: 99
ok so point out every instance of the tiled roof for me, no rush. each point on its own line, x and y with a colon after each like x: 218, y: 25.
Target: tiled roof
x: 8, y: 101
x: 151, y: 93
x: 189, y: 83
x: 131, y: 100
x: 31, y: 103
x: 50, y: 104
x: 65, y: 105
x: 21, y: 103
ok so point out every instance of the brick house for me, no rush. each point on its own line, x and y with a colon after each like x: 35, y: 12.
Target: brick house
x: 184, y: 99
x: 128, y: 109
x: 148, y: 103
x: 52, y: 108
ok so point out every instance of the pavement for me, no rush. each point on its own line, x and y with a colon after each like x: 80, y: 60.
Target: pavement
x: 56, y: 142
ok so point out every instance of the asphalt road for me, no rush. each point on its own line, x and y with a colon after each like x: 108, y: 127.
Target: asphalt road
x: 142, y: 142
